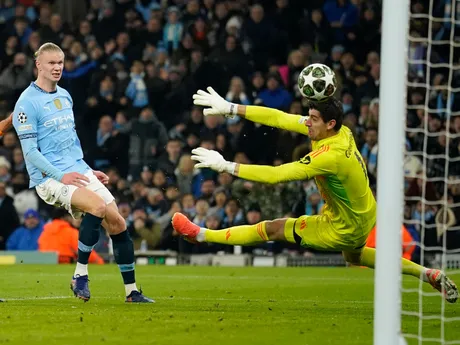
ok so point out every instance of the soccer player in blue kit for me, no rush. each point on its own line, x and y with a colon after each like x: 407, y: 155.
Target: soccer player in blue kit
x: 44, y: 121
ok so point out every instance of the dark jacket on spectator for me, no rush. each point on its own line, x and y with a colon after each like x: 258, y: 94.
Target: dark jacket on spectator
x: 9, y: 219
x: 146, y: 140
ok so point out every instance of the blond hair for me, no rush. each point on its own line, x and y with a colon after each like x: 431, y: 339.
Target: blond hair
x: 47, y: 47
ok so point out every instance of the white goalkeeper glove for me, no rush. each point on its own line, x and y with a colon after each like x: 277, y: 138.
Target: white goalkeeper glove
x: 217, y: 105
x: 213, y: 160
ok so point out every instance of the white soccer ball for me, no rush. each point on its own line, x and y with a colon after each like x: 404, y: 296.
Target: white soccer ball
x: 317, y: 82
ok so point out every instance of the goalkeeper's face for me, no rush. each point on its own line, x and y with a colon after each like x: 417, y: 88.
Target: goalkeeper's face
x: 50, y: 65
x: 317, y: 128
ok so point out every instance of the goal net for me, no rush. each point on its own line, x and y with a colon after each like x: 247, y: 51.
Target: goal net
x: 432, y: 167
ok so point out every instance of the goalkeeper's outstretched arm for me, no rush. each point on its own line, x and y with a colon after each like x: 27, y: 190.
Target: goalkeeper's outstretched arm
x: 273, y: 118
x: 216, y: 105
x: 320, y: 162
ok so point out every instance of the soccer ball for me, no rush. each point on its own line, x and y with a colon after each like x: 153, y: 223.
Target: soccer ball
x: 317, y: 82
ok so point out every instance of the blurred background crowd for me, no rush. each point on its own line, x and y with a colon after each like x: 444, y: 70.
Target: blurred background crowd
x: 132, y: 66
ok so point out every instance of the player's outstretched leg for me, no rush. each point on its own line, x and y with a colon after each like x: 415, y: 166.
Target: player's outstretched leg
x: 237, y: 235
x: 437, y: 278
x: 123, y: 251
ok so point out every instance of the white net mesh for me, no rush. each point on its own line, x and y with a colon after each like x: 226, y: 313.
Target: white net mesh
x: 432, y: 167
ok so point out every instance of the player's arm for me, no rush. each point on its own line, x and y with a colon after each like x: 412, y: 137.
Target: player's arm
x: 263, y: 115
x: 319, y: 162
x: 6, y: 124
x: 273, y: 118
x: 25, y: 122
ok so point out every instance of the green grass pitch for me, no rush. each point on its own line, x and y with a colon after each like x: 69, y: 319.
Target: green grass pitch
x: 205, y: 306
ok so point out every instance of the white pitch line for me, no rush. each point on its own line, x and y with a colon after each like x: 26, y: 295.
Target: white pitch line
x: 218, y: 299
x: 178, y: 276
x: 36, y: 298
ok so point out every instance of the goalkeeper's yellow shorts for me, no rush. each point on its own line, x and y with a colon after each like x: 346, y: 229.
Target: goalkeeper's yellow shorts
x: 318, y: 232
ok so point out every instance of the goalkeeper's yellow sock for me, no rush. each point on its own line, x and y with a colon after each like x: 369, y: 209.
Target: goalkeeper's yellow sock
x: 238, y: 235
x: 408, y: 267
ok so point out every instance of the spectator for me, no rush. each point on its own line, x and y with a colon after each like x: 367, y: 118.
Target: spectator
x: 170, y: 158
x: 261, y: 33
x: 236, y: 92
x: 173, y: 30
x: 148, y: 139
x: 137, y: 90
x: 275, y: 95
x: 111, y: 149
x: 233, y: 214
x: 26, y: 236
x: 16, y: 77
x: 153, y: 203
x: 54, y: 31
x: 24, y: 198
x: 370, y: 151
x: 60, y: 236
x: 145, y: 230
x: 408, y: 244
x: 188, y: 205
x: 187, y: 177
x: 5, y: 168
x: 8, y: 215
x: 202, y: 208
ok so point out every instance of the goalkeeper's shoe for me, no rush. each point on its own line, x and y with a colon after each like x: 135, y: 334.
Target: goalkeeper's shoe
x: 80, y: 288
x: 138, y: 297
x: 185, y: 227
x: 439, y: 280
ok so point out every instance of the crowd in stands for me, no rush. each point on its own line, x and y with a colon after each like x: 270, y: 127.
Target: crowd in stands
x: 132, y: 67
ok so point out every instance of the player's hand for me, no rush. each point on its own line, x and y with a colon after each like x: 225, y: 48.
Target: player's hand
x: 76, y: 179
x: 6, y: 124
x: 212, y: 159
x: 101, y: 176
x: 217, y: 105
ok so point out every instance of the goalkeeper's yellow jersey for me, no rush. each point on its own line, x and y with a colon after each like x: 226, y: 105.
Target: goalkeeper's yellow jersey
x: 336, y: 165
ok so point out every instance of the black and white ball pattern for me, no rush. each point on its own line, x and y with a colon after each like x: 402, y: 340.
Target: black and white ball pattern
x: 22, y: 117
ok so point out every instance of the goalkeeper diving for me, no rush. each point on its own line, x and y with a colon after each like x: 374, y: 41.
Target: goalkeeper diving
x: 335, y: 163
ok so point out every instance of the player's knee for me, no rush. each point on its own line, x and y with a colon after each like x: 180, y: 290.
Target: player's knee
x: 275, y: 229
x: 117, y: 226
x: 99, y: 208
x: 120, y: 224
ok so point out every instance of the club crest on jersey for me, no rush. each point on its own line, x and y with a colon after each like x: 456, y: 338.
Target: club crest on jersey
x: 57, y: 103
x: 22, y: 117
x: 65, y: 190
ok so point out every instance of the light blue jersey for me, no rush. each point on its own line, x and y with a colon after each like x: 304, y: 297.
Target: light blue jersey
x: 45, y: 126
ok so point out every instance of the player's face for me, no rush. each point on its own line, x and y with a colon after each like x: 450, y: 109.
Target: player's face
x: 317, y: 128
x: 50, y: 65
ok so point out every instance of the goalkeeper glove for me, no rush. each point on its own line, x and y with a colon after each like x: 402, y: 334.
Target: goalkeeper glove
x: 213, y: 160
x: 217, y: 105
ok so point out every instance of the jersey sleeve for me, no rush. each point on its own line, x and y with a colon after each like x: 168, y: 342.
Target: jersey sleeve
x: 277, y: 118
x: 25, y: 122
x: 319, y: 162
